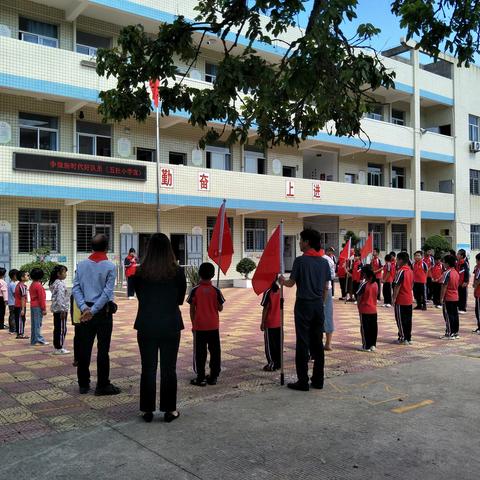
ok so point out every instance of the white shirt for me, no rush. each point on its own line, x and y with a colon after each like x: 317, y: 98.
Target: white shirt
x: 331, y: 264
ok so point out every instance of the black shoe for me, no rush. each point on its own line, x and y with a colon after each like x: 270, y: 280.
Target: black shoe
x: 110, y: 389
x: 148, y: 416
x: 302, y: 387
x: 83, y: 390
x: 417, y: 308
x: 2, y: 327
x: 211, y: 380
x: 198, y: 382
x: 170, y: 417
x: 316, y: 385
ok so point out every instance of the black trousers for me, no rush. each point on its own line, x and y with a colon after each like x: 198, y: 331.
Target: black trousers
x: 430, y: 288
x: 350, y: 286
x: 387, y: 293
x: 462, y: 298
x: 272, y: 337
x: 477, y: 311
x: 130, y: 287
x: 100, y: 326
x: 149, y: 347
x: 343, y: 285
x: 379, y: 289
x: 59, y: 329
x: 355, y: 286
x: 309, y: 319
x: 403, y: 317
x: 20, y: 320
x: 450, y: 314
x: 420, y: 294
x: 11, y: 318
x: 436, y: 292
x: 368, y: 329
x: 204, y: 340
x: 2, y: 313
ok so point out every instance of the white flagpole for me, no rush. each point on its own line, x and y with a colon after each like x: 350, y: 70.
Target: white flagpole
x: 282, y: 336
x: 220, y: 240
x: 158, y: 168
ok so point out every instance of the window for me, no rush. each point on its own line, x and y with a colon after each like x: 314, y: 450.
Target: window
x: 399, y: 237
x: 375, y: 175
x: 398, y: 177
x: 254, y: 162
x: 350, y: 178
x: 211, y: 225
x: 94, y: 139
x: 329, y: 239
x: 398, y: 117
x: 475, y: 237
x: 38, y: 229
x: 289, y: 172
x: 88, y: 43
x: 378, y: 230
x: 38, y: 131
x: 376, y: 113
x: 474, y: 182
x: 218, y: 158
x: 176, y: 158
x: 146, y: 154
x: 474, y: 128
x: 255, y: 234
x: 38, y: 32
x: 210, y: 72
x: 90, y: 224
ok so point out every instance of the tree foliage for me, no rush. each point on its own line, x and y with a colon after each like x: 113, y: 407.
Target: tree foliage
x: 246, y: 266
x: 438, y: 243
x: 323, y: 80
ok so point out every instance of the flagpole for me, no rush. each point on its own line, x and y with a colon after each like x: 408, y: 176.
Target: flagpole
x: 158, y: 169
x: 282, y: 336
x: 220, y: 240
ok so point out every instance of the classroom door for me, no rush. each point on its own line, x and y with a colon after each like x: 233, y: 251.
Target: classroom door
x: 127, y: 241
x: 194, y: 250
x: 178, y: 241
x: 5, y: 249
x: 289, y: 251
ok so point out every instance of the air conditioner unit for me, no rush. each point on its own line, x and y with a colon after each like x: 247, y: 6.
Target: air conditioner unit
x: 475, y: 147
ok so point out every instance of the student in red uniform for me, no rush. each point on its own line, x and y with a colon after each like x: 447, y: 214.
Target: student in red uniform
x: 38, y: 307
x: 420, y: 271
x: 342, y: 277
x: 356, y: 273
x: 476, y: 292
x: 130, y: 263
x: 21, y: 304
x: 449, y: 298
x: 430, y: 261
x: 377, y: 268
x: 270, y: 327
x: 367, y: 309
x: 205, y: 302
x: 436, y: 273
x: 403, y: 298
x: 463, y: 270
x: 388, y: 277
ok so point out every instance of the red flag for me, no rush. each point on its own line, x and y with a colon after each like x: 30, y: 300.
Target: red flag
x: 345, y: 253
x: 367, y: 249
x: 220, y: 249
x: 269, y: 265
x: 154, y: 84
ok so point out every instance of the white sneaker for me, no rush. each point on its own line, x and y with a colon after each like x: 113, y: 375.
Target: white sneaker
x: 462, y: 312
x: 445, y: 337
x: 388, y: 305
x: 131, y: 298
x: 57, y: 351
x: 438, y: 306
x: 373, y: 348
x: 477, y: 331
x: 355, y: 302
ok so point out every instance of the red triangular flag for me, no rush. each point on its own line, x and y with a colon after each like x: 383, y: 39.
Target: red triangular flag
x: 345, y: 253
x: 154, y: 84
x: 220, y: 249
x: 367, y: 249
x: 269, y: 265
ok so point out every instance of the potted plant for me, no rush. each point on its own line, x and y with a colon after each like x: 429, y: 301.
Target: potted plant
x: 245, y: 266
x: 438, y: 243
x: 41, y: 261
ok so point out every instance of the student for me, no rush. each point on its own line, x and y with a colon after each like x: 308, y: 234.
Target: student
x: 449, y: 298
x: 356, y: 273
x: 205, y: 302
x: 377, y: 268
x: 21, y: 304
x: 388, y: 277
x: 130, y: 265
x: 270, y: 327
x: 430, y: 261
x: 436, y: 273
x: 11, y: 300
x: 342, y: 277
x: 476, y: 292
x: 367, y: 309
x: 393, y: 261
x: 403, y: 298
x: 38, y: 306
x: 420, y: 271
x: 3, y: 297
x: 60, y: 307
x: 463, y: 270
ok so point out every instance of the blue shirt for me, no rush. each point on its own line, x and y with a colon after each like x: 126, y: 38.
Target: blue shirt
x: 94, y: 283
x: 11, y: 294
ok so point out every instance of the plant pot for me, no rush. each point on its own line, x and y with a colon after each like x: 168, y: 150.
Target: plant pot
x: 242, y: 283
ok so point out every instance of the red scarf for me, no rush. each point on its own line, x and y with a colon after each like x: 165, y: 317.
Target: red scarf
x: 313, y: 253
x: 98, y: 257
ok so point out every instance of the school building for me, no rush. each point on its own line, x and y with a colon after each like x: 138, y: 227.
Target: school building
x: 65, y: 176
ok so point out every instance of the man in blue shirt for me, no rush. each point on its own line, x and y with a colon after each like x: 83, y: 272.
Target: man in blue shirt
x: 93, y: 293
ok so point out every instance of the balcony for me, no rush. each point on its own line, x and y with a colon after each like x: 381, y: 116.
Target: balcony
x: 433, y: 143
x: 437, y: 206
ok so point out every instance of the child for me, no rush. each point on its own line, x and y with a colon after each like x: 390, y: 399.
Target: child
x: 21, y: 304
x: 367, y: 309
x: 205, y: 302
x: 436, y: 273
x: 356, y: 273
x: 420, y: 271
x: 388, y: 277
x: 449, y: 298
x: 463, y: 270
x: 11, y: 300
x: 476, y: 292
x: 130, y: 264
x: 377, y: 268
x: 270, y: 327
x: 60, y: 307
x: 430, y: 261
x: 403, y: 298
x: 3, y: 297
x: 342, y: 277
x: 393, y: 262
x: 38, y: 306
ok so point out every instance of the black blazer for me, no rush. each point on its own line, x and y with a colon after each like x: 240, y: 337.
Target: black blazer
x: 158, y: 304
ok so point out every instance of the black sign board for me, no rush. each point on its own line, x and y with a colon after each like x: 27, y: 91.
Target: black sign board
x: 76, y: 166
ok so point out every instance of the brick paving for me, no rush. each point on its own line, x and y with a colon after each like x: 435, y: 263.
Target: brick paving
x: 39, y: 395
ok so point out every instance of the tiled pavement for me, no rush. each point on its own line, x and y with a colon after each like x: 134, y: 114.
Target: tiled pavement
x: 38, y: 391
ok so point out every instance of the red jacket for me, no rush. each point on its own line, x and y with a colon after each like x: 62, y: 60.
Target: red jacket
x: 420, y: 270
x: 476, y: 277
x: 451, y: 280
x: 404, y: 279
x: 271, y: 301
x: 38, y: 298
x: 437, y: 272
x: 367, y: 300
x: 376, y: 264
x: 130, y: 264
x: 356, y: 271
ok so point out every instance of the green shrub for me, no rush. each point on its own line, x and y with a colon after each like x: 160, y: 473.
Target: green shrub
x: 40, y: 261
x: 245, y: 266
x: 353, y: 237
x: 438, y: 243
x: 191, y: 272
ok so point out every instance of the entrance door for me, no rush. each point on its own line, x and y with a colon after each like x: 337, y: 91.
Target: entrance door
x: 179, y: 247
x: 194, y: 250
x: 288, y: 251
x: 143, y: 239
x: 5, y: 250
x: 127, y: 241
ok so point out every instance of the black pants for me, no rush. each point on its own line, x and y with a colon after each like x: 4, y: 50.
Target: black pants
x: 450, y: 314
x: 403, y: 317
x: 11, y: 318
x: 333, y: 287
x: 203, y: 340
x: 462, y: 298
x: 99, y: 326
x: 477, y: 311
x: 149, y: 347
x: 355, y: 286
x: 309, y: 319
x: 59, y: 329
x: 350, y: 286
x: 420, y: 294
x: 130, y: 287
x: 430, y: 288
x: 2, y: 313
x: 20, y: 320
x: 272, y: 337
x: 379, y: 289
x: 436, y: 291
x: 368, y: 329
x: 387, y: 293
x: 343, y: 285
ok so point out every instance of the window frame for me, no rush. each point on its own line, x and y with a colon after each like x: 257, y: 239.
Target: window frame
x: 378, y: 235
x: 400, y: 236
x: 153, y: 151
x: 396, y: 176
x: 209, y: 229
x: 352, y: 176
x: 474, y: 182
x: 96, y: 224
x: 397, y: 120
x: 210, y: 77
x: 38, y: 224
x: 38, y: 129
x: 95, y: 143
x: 40, y: 38
x: 227, y: 157
x: 473, y: 128
x: 475, y: 236
x: 371, y: 175
x: 255, y: 231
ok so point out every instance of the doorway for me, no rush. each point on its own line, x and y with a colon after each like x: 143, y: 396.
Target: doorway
x: 179, y: 247
x: 143, y: 239
x: 5, y: 250
x: 288, y: 251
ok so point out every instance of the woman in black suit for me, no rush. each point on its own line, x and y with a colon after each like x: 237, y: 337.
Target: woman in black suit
x: 160, y: 286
